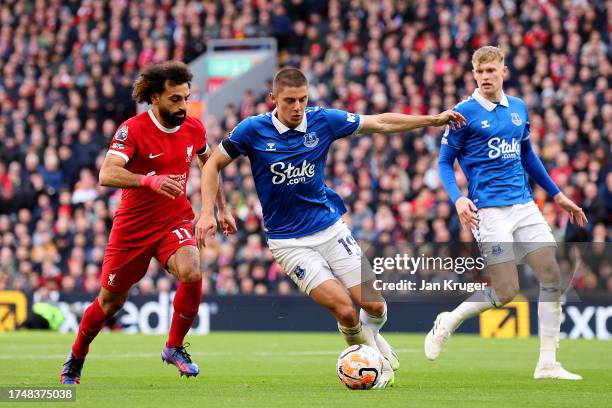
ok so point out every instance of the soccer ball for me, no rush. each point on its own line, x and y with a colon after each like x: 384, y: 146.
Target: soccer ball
x: 359, y: 367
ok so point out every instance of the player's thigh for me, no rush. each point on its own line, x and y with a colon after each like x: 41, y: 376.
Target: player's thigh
x: 305, y: 266
x: 544, y: 263
x: 178, y: 253
x: 184, y: 264
x: 534, y: 235
x: 504, y: 279
x: 333, y: 296
x: 494, y: 234
x: 122, y: 267
x: 345, y: 258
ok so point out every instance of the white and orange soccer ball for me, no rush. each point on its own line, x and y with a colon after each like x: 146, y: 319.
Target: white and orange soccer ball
x: 359, y: 367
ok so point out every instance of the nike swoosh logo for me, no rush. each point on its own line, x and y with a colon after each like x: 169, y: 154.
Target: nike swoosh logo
x: 184, y: 240
x: 152, y: 156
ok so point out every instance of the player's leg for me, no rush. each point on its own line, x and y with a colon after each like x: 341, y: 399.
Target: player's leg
x: 535, y: 239
x: 121, y: 268
x: 494, y: 238
x: 373, y: 314
x: 185, y: 265
x: 344, y: 257
x: 312, y: 275
x: 105, y: 306
x: 101, y: 309
x: 504, y: 287
x: 333, y: 296
x: 182, y: 259
x: 544, y: 264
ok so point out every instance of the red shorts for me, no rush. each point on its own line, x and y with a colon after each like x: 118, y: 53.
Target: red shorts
x: 123, y: 267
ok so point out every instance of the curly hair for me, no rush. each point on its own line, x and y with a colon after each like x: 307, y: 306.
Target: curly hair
x: 153, y: 79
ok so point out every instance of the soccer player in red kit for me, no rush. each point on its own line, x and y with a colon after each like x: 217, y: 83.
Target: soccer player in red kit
x: 149, y: 158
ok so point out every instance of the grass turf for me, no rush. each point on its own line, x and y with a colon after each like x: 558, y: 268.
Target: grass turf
x: 241, y: 369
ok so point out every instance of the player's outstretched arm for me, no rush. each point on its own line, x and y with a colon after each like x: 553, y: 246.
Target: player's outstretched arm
x: 224, y: 213
x: 210, y: 185
x: 397, y: 122
x: 114, y: 174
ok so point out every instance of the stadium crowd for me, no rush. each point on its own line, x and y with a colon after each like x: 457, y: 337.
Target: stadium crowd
x: 68, y: 66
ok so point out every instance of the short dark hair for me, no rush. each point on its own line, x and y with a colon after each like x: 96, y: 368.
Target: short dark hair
x: 153, y: 79
x: 292, y: 77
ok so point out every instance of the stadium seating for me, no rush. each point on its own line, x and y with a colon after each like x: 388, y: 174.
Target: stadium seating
x: 67, y: 69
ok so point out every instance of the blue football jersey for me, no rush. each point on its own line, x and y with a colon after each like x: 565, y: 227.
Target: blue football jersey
x: 489, y: 149
x: 288, y: 167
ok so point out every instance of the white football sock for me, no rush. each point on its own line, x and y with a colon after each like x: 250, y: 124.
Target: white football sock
x: 472, y: 306
x: 358, y: 335
x: 549, y: 316
x: 375, y: 323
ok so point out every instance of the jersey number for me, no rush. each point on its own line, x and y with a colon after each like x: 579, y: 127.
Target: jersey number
x: 347, y: 242
x: 185, y: 234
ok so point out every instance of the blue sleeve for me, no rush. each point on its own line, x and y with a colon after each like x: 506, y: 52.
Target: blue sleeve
x: 455, y: 138
x: 527, y: 131
x: 238, y: 141
x: 535, y: 168
x: 445, y: 170
x: 343, y: 123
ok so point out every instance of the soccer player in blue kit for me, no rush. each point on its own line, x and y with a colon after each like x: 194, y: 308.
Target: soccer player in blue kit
x: 287, y: 149
x: 494, y: 151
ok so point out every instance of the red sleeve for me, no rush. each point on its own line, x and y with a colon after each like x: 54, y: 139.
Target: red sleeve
x: 123, y: 144
x: 201, y: 138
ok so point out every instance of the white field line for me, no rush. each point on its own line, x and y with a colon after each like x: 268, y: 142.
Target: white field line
x: 204, y: 354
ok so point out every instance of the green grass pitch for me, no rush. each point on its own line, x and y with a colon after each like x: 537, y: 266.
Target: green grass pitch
x: 241, y: 369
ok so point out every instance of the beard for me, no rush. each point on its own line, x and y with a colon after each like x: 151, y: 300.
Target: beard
x: 173, y: 119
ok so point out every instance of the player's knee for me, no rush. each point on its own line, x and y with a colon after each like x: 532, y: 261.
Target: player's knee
x: 374, y: 308
x: 507, y: 293
x: 346, y: 315
x: 110, y: 306
x: 549, y: 273
x: 190, y: 273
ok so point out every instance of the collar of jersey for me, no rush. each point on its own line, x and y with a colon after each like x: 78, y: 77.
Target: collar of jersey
x: 487, y: 104
x: 159, y: 125
x: 282, y: 128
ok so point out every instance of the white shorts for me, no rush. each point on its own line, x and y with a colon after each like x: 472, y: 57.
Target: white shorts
x: 329, y: 254
x: 509, y: 233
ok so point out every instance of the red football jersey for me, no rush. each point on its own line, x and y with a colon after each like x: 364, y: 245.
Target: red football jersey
x: 151, y: 149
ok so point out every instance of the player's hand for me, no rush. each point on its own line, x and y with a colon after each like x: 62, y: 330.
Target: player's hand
x: 467, y: 212
x: 206, y: 225
x: 451, y: 118
x: 227, y: 221
x: 575, y: 213
x: 163, y: 184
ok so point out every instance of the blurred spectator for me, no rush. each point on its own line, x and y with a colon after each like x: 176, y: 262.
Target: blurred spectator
x: 68, y: 67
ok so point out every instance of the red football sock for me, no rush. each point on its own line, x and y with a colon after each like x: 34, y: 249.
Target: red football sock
x: 186, y: 306
x: 91, y: 324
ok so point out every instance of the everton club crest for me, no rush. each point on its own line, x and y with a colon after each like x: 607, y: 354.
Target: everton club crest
x: 311, y: 139
x: 516, y: 119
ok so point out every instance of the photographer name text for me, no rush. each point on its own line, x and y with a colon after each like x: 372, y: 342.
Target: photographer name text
x: 444, y: 286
